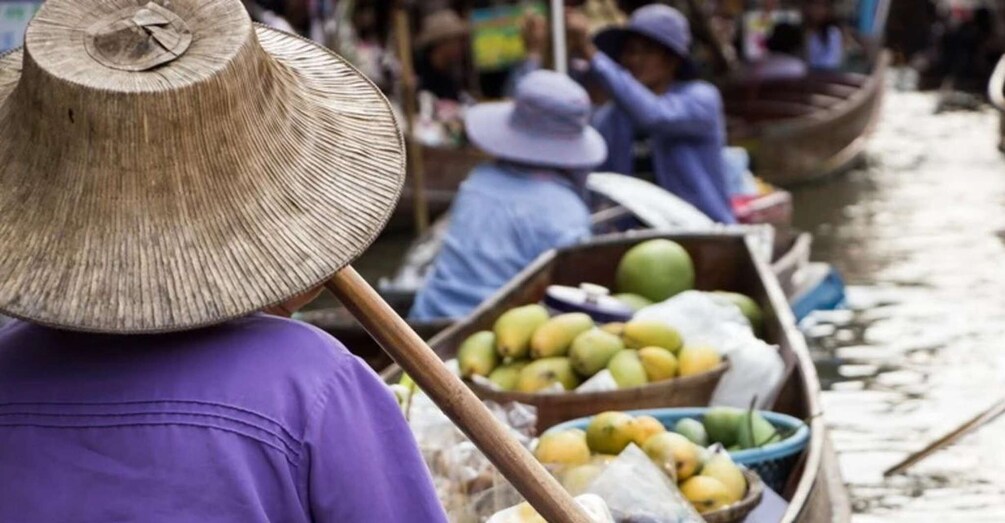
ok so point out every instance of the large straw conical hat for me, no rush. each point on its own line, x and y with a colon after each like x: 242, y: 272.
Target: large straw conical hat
x: 169, y: 165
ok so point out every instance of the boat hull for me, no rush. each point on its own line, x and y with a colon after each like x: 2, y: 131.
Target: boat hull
x: 723, y: 262
x: 801, y: 131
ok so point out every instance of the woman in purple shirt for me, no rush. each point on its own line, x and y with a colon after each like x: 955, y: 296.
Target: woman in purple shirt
x: 169, y: 171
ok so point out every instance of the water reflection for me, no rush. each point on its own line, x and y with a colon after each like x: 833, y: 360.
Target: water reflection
x: 916, y: 235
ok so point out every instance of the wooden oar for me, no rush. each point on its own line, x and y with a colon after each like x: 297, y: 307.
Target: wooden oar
x: 454, y: 398
x: 971, y: 425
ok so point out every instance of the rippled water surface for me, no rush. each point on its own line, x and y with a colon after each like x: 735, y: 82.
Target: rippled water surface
x: 916, y: 234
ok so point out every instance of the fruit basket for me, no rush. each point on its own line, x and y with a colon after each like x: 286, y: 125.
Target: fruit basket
x: 554, y: 408
x: 738, y: 512
x: 773, y: 462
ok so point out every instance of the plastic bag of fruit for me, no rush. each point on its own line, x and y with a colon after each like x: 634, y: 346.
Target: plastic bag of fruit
x: 467, y: 484
x: 756, y: 368
x: 637, y: 491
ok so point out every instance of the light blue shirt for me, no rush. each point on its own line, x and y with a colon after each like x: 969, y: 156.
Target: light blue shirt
x: 686, y: 126
x: 503, y: 218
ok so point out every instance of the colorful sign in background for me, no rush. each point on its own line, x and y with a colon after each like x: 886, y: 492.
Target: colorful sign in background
x: 496, y: 34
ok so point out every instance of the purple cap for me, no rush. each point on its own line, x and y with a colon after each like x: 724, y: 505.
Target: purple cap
x: 546, y: 125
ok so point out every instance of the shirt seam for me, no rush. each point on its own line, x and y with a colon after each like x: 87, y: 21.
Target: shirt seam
x: 263, y: 417
x: 263, y: 441
x: 290, y: 447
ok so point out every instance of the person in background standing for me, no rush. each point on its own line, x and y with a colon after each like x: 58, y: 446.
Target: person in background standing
x: 442, y: 47
x: 824, y: 40
x: 662, y: 123
x: 529, y: 200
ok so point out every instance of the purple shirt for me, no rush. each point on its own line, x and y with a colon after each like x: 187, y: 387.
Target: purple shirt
x: 259, y: 419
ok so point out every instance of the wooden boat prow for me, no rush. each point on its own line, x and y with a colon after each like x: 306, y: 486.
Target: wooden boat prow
x: 803, y: 130
x: 723, y: 261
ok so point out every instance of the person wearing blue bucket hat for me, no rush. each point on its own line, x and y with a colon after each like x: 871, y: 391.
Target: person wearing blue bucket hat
x: 525, y: 202
x: 661, y: 123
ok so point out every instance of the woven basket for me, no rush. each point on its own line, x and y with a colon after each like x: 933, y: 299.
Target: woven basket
x: 739, y: 511
x: 554, y: 408
x: 773, y: 463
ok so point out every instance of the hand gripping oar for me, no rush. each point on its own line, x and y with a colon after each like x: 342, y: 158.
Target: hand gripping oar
x: 455, y: 399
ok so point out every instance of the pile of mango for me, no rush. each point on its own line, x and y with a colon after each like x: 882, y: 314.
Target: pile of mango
x: 707, y: 477
x: 529, y: 351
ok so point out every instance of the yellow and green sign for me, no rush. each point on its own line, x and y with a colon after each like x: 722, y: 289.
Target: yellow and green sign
x: 496, y: 35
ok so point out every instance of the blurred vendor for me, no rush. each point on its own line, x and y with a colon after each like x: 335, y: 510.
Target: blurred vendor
x: 783, y: 60
x: 442, y: 46
x: 661, y: 124
x: 824, y: 40
x: 527, y: 201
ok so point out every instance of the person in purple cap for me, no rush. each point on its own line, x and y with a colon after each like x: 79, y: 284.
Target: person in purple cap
x: 527, y: 201
x: 662, y: 124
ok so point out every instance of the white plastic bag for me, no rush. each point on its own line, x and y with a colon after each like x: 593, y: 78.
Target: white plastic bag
x: 756, y: 368
x: 635, y: 489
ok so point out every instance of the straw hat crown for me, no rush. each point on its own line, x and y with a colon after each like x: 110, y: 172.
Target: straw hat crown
x: 168, y: 165
x: 441, y: 25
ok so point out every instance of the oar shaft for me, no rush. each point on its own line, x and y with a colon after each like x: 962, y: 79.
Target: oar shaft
x: 454, y: 398
x: 972, y: 424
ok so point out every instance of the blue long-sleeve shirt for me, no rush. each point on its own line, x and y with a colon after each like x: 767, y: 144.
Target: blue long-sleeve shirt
x: 686, y: 128
x: 502, y: 219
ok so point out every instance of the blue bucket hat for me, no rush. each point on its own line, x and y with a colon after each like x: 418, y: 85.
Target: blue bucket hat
x: 661, y: 23
x: 546, y: 125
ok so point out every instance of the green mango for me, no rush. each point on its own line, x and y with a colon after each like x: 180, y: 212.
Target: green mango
x: 693, y: 430
x: 477, y: 355
x: 750, y: 309
x: 722, y: 424
x: 754, y: 431
x: 506, y: 376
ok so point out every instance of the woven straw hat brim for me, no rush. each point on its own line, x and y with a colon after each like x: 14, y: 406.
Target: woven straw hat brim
x: 85, y: 245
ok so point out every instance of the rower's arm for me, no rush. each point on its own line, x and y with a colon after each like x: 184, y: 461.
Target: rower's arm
x: 670, y: 114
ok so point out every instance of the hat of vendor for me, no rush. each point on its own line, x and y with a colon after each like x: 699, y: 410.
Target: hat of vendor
x: 441, y: 25
x: 660, y: 23
x: 546, y: 125
x: 168, y: 165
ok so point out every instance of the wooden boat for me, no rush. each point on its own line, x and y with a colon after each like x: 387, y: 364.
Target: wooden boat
x: 802, y: 130
x: 726, y: 261
x: 792, y: 254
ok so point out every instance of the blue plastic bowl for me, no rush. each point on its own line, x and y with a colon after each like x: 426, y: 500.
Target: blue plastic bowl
x: 773, y: 463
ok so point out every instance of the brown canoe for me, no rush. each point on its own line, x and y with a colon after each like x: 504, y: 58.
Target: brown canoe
x: 723, y: 261
x: 802, y: 130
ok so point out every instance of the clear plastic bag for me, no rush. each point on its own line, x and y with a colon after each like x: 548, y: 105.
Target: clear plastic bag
x: 756, y: 368
x: 467, y: 484
x: 637, y: 491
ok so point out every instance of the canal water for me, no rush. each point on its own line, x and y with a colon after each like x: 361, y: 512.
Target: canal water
x: 917, y: 235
